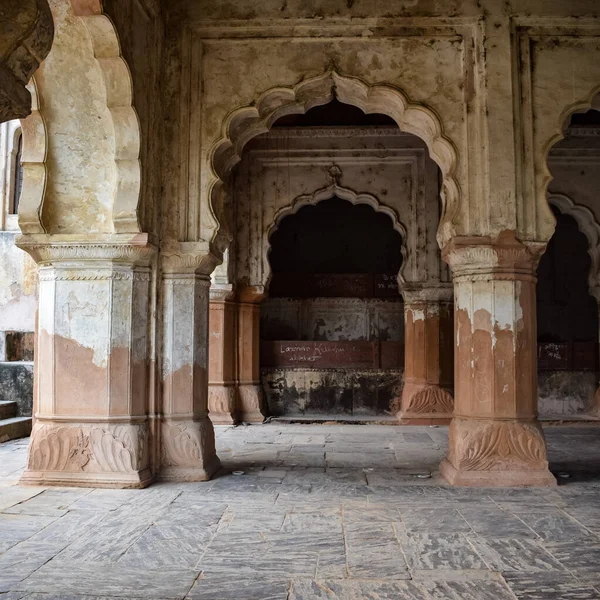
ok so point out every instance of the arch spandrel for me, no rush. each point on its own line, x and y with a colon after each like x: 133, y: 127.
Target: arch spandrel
x: 245, y: 123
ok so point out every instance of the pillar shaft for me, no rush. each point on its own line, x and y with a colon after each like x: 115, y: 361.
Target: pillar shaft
x: 187, y: 435
x: 495, y: 438
x: 222, y: 370
x: 250, y: 396
x: 92, y: 364
x: 426, y: 395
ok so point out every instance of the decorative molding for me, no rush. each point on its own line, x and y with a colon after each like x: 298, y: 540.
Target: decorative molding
x: 582, y: 132
x: 483, y: 260
x: 50, y: 274
x: 431, y: 399
x: 50, y: 248
x: 497, y: 446
x: 101, y: 448
x: 334, y: 132
x: 424, y: 293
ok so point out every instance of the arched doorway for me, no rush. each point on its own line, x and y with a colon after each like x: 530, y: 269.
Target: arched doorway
x: 332, y: 329
x: 567, y: 322
x: 332, y: 178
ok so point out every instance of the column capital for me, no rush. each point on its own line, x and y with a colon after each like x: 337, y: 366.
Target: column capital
x: 189, y: 257
x: 504, y: 257
x: 77, y: 251
x: 426, y: 293
x: 222, y: 292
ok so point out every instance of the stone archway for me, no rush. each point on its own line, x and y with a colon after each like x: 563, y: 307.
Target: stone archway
x: 248, y: 122
x: 589, y: 226
x: 326, y: 193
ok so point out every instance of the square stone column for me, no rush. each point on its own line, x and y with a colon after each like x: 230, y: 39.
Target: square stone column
x: 250, y: 394
x: 429, y: 350
x: 187, y: 435
x: 495, y: 438
x: 92, y: 363
x: 222, y: 356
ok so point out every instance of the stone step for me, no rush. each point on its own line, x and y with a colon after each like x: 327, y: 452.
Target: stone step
x: 17, y: 427
x: 8, y: 409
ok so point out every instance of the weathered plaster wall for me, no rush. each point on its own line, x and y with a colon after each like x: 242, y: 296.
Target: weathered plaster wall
x: 290, y: 168
x: 333, y: 319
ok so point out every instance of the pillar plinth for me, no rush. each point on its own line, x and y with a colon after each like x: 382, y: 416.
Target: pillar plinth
x: 222, y: 356
x: 187, y: 435
x: 91, y: 394
x: 427, y: 392
x: 250, y: 394
x: 495, y: 438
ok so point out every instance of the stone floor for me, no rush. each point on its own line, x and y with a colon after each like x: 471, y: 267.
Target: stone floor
x: 321, y: 512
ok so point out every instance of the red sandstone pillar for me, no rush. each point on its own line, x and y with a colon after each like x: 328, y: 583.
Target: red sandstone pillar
x: 429, y: 351
x: 187, y: 435
x: 495, y: 438
x: 222, y: 356
x: 250, y: 396
x: 92, y: 363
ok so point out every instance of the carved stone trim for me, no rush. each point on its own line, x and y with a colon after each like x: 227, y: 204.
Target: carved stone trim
x: 51, y: 249
x: 99, y: 448
x: 423, y: 294
x: 583, y: 132
x: 49, y: 274
x: 188, y: 450
x: 431, y: 399
x: 200, y: 261
x: 482, y: 259
x: 336, y: 132
x: 497, y: 446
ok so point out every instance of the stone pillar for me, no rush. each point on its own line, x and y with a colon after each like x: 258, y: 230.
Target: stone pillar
x: 222, y: 356
x: 92, y: 362
x: 429, y: 351
x: 188, y: 442
x: 250, y: 396
x: 495, y: 438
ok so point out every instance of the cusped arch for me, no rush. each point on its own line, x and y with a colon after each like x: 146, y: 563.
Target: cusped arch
x: 587, y: 224
x: 33, y: 161
x: 118, y: 89
x: 334, y: 190
x: 119, y: 101
x: 245, y: 123
x: 591, y: 100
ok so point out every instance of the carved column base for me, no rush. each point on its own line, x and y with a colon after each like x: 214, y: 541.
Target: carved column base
x: 425, y: 405
x: 250, y: 398
x: 221, y: 404
x: 493, y: 453
x: 99, y: 454
x: 188, y: 450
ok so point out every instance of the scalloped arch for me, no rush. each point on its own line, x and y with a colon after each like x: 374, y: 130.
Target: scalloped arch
x: 33, y: 160
x: 327, y: 193
x: 245, y: 123
x: 592, y: 100
x: 589, y: 227
x: 119, y: 101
